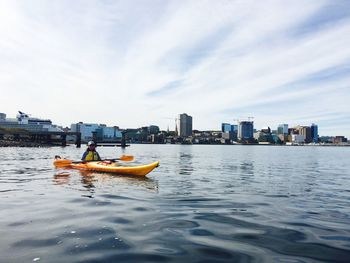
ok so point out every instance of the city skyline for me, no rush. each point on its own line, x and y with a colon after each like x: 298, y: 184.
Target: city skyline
x: 183, y: 120
x: 144, y: 62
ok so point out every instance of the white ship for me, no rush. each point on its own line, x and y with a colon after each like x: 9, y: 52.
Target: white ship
x: 24, y: 121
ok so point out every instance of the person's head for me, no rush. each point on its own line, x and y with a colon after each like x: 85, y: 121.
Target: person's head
x: 91, y: 145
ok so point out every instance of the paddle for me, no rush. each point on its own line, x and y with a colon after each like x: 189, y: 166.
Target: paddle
x: 59, y: 162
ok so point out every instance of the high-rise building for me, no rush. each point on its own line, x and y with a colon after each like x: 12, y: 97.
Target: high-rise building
x: 225, y: 127
x: 234, y: 128
x: 282, y: 129
x: 306, y: 132
x: 231, y: 129
x: 245, y: 130
x: 314, y: 133
x: 184, y: 125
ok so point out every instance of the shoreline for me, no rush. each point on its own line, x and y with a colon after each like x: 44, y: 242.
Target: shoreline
x: 7, y: 143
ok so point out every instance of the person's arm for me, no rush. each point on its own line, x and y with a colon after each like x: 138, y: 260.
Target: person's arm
x: 84, y: 156
x: 98, y: 156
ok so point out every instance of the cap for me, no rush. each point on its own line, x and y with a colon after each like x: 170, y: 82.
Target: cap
x: 91, y: 143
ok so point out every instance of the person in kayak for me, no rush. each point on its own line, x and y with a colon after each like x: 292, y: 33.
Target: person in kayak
x: 91, y: 154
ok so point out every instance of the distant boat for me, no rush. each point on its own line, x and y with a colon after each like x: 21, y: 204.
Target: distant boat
x: 24, y: 121
x: 24, y: 118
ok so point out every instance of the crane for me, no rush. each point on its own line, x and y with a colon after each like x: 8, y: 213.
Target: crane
x: 249, y: 118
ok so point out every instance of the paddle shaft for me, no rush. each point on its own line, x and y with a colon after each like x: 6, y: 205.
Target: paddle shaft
x: 121, y: 158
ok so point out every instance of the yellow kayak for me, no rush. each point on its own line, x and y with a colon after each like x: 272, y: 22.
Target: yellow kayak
x: 109, y: 167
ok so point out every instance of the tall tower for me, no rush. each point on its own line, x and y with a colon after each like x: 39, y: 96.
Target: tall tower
x: 306, y: 132
x: 282, y: 129
x: 314, y: 133
x: 245, y: 130
x: 184, y: 125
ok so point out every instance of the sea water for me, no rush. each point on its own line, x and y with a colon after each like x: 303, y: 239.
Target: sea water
x: 204, y: 203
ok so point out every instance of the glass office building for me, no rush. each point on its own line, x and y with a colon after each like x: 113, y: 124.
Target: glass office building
x: 245, y: 130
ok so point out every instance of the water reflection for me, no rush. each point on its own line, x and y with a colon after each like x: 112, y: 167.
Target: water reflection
x: 87, y: 181
x: 247, y: 168
x: 61, y: 178
x: 246, y: 172
x: 185, y: 163
x: 90, y: 180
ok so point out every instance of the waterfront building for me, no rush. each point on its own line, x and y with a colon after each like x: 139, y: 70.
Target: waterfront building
x: 146, y: 134
x: 184, y: 125
x: 86, y: 130
x: 282, y: 129
x: 276, y: 139
x: 314, y: 133
x: 211, y: 137
x: 132, y: 135
x: 325, y: 139
x: 94, y: 131
x: 306, y: 132
x: 227, y: 137
x: 143, y: 134
x: 230, y: 129
x: 234, y: 129
x: 257, y: 135
x: 293, y: 131
x: 153, y: 129
x: 245, y: 131
x: 266, y: 130
x: 298, y: 138
x: 105, y: 133
x: 225, y: 127
x: 339, y: 140
x: 283, y: 138
x: 264, y: 136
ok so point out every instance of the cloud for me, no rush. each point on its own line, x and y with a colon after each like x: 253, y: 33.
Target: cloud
x: 166, y: 89
x: 132, y: 63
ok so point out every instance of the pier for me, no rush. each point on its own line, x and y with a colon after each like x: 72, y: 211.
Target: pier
x: 40, y: 137
x: 107, y: 143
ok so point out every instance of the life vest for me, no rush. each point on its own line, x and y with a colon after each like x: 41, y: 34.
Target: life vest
x: 91, y: 156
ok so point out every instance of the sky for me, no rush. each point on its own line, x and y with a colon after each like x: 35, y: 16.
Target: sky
x: 143, y: 62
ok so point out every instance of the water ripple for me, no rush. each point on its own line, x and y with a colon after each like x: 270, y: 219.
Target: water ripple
x: 203, y: 204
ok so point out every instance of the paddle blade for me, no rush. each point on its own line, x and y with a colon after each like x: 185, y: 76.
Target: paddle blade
x: 62, y: 162
x: 126, y: 158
